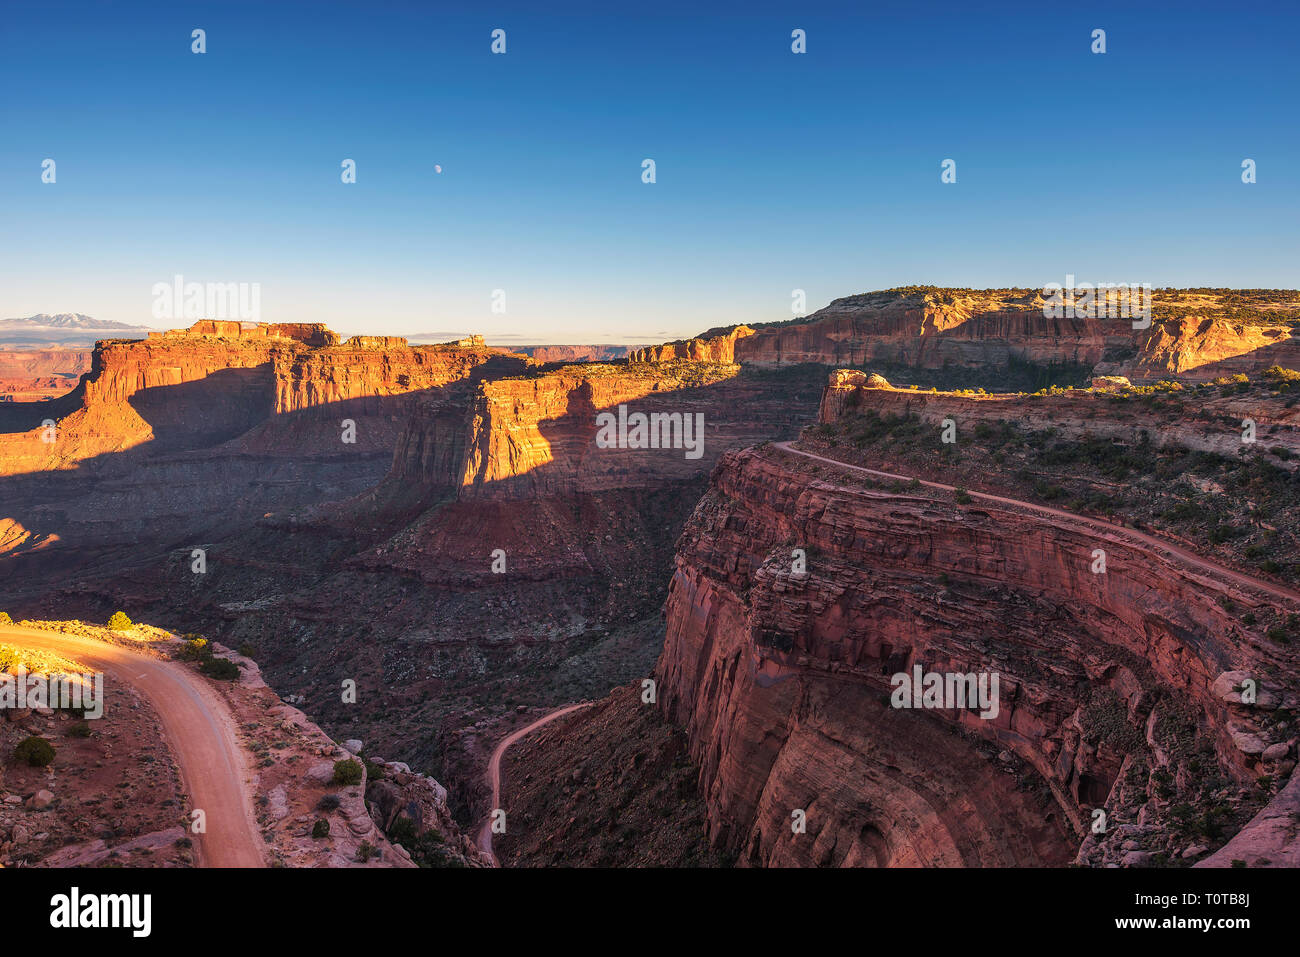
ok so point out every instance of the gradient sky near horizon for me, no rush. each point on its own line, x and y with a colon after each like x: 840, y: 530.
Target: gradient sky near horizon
x: 775, y: 171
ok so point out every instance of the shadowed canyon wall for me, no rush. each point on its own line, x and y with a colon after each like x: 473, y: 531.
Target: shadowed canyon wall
x: 782, y: 679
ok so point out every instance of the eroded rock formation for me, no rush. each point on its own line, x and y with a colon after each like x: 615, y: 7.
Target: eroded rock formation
x: 781, y: 676
x: 991, y: 330
x: 712, y: 346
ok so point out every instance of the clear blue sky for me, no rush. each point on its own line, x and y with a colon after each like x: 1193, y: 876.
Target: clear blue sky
x: 775, y: 171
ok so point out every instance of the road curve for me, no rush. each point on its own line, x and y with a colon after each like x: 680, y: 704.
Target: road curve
x: 1124, y: 531
x: 200, y: 732
x: 494, y: 769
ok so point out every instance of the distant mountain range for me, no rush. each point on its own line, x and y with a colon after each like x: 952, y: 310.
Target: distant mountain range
x: 65, y: 328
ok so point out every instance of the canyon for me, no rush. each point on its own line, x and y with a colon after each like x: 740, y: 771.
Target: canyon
x: 439, y: 525
x: 781, y: 676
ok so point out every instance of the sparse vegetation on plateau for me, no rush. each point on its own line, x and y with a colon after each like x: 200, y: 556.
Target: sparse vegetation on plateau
x: 348, y: 772
x: 35, y: 751
x: 222, y: 669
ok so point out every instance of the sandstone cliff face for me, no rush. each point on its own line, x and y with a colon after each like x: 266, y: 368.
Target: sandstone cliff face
x: 858, y: 331
x: 719, y: 348
x: 196, y: 387
x: 781, y: 679
x: 193, y: 435
x: 537, y: 437
x: 932, y: 336
x: 595, y: 353
x: 29, y: 363
x: 534, y: 438
x: 1197, y: 350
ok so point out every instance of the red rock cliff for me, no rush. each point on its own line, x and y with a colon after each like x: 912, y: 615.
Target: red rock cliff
x: 990, y: 332
x: 218, y: 380
x: 706, y: 348
x: 536, y: 437
x: 781, y: 678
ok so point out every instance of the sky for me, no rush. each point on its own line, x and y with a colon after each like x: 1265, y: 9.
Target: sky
x: 774, y: 171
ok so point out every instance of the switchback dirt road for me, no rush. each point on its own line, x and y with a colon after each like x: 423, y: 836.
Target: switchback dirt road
x: 200, y: 733
x: 494, y: 768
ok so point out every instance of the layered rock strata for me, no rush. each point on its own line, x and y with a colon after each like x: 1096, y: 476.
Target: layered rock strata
x: 991, y: 332
x: 781, y: 676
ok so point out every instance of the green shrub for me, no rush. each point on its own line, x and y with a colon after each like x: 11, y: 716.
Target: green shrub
x: 247, y: 650
x: 5, y: 620
x: 195, y: 649
x: 348, y: 771
x: 119, y: 622
x: 223, y: 669
x: 79, y: 730
x: 35, y: 751
x: 961, y: 497
x: 403, y: 832
x: 320, y: 829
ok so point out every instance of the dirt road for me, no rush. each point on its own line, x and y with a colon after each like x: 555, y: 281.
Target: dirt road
x: 494, y: 767
x: 1174, y: 551
x: 200, y: 733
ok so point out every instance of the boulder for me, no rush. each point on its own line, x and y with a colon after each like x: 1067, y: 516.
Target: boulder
x: 1225, y: 686
x: 1247, y: 742
x: 1276, y: 752
x: 1110, y: 383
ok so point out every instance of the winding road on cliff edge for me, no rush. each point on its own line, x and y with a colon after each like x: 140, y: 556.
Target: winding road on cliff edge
x: 494, y: 769
x: 1123, y: 531
x: 200, y: 733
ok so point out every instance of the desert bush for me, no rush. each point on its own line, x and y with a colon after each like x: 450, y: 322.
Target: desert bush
x: 5, y: 620
x: 79, y: 730
x: 35, y: 751
x: 348, y: 771
x: 320, y: 829
x: 223, y: 669
x: 402, y: 832
x: 119, y: 622
x: 328, y: 802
